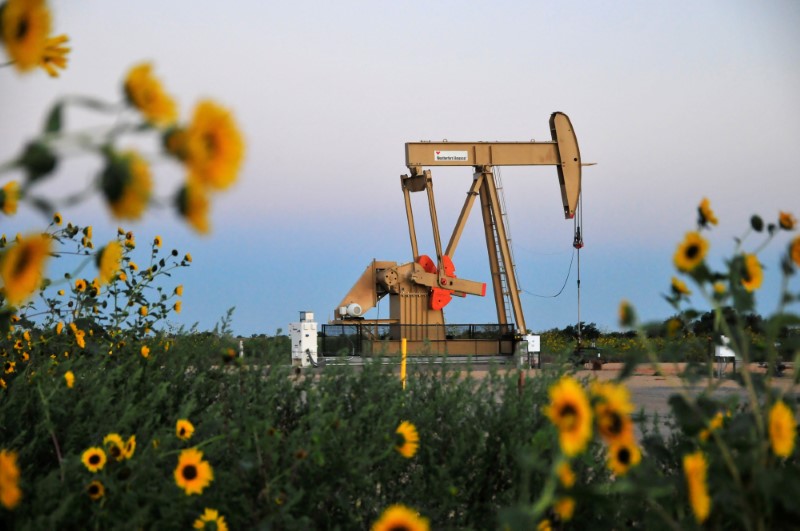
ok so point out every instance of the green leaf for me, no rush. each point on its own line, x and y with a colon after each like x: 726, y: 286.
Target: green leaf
x: 42, y: 205
x: 54, y: 118
x: 690, y: 422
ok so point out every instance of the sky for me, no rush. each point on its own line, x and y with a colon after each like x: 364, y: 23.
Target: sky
x: 674, y: 101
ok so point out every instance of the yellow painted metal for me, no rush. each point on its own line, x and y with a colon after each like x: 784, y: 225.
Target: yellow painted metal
x: 561, y: 152
x: 477, y: 181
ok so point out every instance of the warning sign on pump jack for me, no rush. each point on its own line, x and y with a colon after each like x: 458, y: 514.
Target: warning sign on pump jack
x: 450, y: 156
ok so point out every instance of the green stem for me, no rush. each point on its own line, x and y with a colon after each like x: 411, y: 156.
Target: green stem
x: 50, y: 430
x: 672, y: 524
x: 764, y: 244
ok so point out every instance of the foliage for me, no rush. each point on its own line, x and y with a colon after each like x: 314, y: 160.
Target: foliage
x: 270, y: 438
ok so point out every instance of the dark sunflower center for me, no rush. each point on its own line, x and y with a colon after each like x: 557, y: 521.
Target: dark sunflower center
x: 94, y: 490
x: 400, y: 440
x: 569, y: 415
x: 94, y: 459
x: 115, y: 451
x: 22, y: 29
x: 692, y: 251
x: 746, y: 276
x: 189, y: 472
x: 182, y: 432
x: 23, y: 261
x: 624, y: 456
x: 615, y: 423
x: 399, y: 527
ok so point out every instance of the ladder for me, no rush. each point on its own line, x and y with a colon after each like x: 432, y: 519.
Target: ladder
x: 503, y: 270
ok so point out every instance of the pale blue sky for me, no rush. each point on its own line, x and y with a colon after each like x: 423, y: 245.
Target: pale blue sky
x: 673, y: 100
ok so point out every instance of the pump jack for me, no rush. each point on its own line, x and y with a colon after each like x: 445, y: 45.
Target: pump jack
x: 419, y: 290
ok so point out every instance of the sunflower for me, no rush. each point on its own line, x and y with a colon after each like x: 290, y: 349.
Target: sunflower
x: 612, y: 411
x: 9, y: 367
x: 211, y: 515
x: 130, y: 447
x: 145, y: 351
x: 720, y: 289
x: 127, y: 185
x: 157, y: 241
x: 787, y: 221
x: 69, y: 377
x: 399, y: 517
x: 144, y: 91
x: 565, y: 475
x: 570, y: 411
x: 109, y: 260
x: 679, y: 287
x: 184, y: 429
x: 143, y: 311
x: 705, y: 214
x: 57, y: 219
x: 713, y: 425
x: 622, y: 455
x: 55, y: 55
x: 174, y: 142
x: 94, y: 459
x: 179, y: 290
x: 95, y: 490
x: 794, y: 250
x: 564, y: 508
x: 22, y: 267
x: 9, y: 196
x: 79, y: 335
x: 691, y: 252
x: 752, y: 274
x: 192, y: 473
x: 10, y: 493
x: 782, y: 429
x: 193, y: 204
x: 407, y: 439
x: 25, y: 27
x: 695, y: 469
x: 116, y: 447
x: 80, y: 285
x: 544, y: 525
x: 177, y: 307
x: 214, y: 146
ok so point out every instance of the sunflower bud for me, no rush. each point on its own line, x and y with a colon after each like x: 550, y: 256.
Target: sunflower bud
x: 627, y: 315
x: 38, y: 160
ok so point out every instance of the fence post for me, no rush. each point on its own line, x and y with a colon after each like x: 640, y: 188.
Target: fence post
x: 403, y: 362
